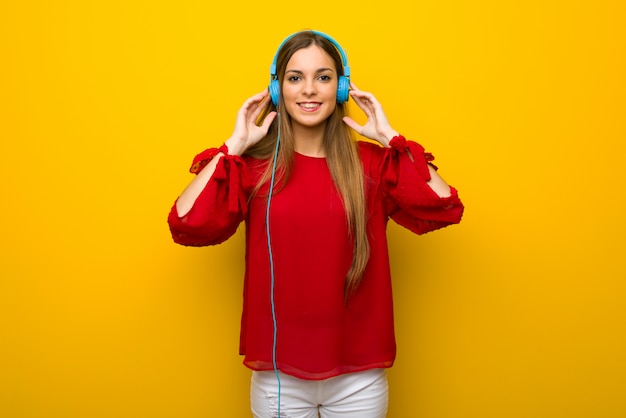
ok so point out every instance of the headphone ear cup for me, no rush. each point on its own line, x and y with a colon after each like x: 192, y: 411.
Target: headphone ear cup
x: 274, y: 89
x: 343, y: 89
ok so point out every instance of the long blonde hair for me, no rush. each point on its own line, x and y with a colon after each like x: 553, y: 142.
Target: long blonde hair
x: 342, y: 155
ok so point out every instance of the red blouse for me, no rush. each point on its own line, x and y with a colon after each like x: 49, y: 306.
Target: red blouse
x: 319, y: 334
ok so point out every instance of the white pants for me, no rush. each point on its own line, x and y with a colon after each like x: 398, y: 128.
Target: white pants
x: 362, y: 394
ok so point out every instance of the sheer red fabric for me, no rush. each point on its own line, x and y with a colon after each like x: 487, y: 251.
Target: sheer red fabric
x: 319, y: 333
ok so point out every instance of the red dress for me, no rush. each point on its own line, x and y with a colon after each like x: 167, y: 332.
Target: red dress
x: 319, y: 333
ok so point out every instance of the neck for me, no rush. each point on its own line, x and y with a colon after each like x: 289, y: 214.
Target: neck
x: 309, y: 142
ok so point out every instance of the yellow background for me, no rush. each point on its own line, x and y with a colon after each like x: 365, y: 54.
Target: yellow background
x: 517, y: 312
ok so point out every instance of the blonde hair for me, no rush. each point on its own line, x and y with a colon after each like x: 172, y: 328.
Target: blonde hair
x: 341, y: 151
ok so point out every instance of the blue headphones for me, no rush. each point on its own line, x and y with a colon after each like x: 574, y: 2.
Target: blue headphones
x: 343, y: 84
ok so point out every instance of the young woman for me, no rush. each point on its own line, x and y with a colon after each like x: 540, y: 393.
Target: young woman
x: 317, y: 325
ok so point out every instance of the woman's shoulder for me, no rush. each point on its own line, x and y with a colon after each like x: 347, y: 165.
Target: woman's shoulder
x: 253, y: 161
x: 256, y: 166
x: 372, y: 155
x: 370, y: 151
x: 369, y: 146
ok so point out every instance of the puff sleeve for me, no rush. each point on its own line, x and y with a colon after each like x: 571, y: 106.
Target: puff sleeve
x: 402, y: 177
x: 220, y: 207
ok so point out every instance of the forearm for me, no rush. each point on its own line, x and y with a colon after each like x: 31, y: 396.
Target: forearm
x: 188, y: 197
x: 437, y: 184
x: 246, y: 134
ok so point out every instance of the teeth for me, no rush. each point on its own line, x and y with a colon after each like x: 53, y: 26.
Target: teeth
x: 309, y: 105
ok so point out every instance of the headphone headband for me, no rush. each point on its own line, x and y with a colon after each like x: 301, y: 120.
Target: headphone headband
x: 344, y: 57
x: 343, y: 86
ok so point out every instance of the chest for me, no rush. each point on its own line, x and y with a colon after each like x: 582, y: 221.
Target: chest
x: 309, y: 200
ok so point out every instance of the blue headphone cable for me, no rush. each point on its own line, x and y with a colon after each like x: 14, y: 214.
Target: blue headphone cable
x: 271, y: 259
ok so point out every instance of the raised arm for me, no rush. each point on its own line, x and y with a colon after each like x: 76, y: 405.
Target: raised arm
x: 245, y: 134
x: 211, y: 207
x: 379, y: 129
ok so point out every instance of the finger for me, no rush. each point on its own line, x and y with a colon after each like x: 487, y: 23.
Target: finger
x: 358, y: 91
x: 357, y: 96
x: 251, y: 107
x: 363, y: 104
x: 255, y: 100
x: 265, y: 126
x: 363, y: 95
x: 352, y: 124
x: 372, y: 104
x: 258, y: 108
x: 262, y: 94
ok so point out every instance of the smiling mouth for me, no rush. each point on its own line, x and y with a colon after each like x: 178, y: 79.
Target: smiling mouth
x: 309, y: 106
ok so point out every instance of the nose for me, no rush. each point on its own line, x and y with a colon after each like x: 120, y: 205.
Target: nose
x: 309, y: 87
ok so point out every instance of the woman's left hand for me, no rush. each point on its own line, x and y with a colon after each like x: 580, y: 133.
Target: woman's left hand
x: 377, y: 126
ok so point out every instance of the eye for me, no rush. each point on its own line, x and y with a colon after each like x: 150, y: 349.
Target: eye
x: 324, y: 77
x: 293, y: 78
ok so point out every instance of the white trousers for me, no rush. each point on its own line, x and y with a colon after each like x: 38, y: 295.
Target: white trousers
x: 362, y: 394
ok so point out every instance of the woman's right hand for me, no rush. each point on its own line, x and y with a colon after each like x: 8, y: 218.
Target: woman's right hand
x: 246, y: 132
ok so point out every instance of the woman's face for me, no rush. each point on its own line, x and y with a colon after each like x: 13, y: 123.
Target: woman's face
x: 310, y: 87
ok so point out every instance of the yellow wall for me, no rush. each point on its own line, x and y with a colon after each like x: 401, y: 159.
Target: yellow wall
x: 517, y: 312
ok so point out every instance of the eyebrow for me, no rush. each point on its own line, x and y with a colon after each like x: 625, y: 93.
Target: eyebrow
x: 319, y: 70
